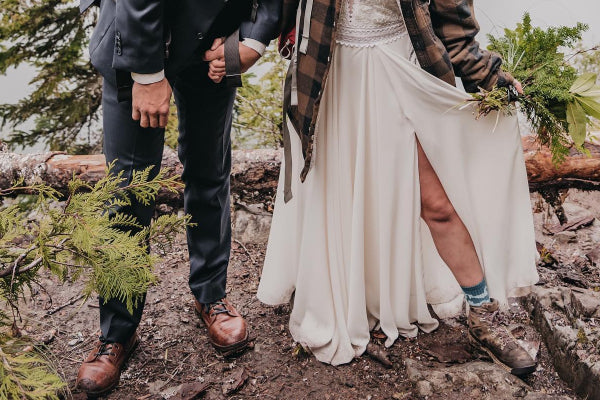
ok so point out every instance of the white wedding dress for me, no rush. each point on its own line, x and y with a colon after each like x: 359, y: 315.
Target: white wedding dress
x: 350, y: 247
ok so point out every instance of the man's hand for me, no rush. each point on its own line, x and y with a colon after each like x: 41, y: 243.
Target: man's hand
x: 216, y: 59
x: 151, y: 103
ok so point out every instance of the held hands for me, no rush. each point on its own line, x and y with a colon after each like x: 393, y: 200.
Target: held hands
x: 216, y: 59
x: 151, y: 103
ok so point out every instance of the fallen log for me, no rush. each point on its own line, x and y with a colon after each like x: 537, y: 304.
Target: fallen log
x: 578, y: 171
x: 255, y: 172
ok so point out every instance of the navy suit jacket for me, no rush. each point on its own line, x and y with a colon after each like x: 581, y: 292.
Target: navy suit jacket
x: 132, y: 35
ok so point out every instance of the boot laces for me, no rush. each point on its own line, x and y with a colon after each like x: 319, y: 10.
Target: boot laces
x: 105, y: 348
x: 216, y: 308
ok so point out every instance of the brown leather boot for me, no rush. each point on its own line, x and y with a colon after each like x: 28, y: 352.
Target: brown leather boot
x: 227, y: 330
x: 101, y: 371
x: 488, y: 332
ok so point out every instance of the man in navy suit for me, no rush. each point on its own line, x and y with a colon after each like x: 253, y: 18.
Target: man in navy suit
x: 147, y: 50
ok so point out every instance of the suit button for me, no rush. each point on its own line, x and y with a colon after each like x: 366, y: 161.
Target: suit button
x: 200, y: 36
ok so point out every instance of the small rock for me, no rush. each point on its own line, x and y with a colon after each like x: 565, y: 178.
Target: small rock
x: 573, y: 225
x: 74, y: 342
x: 586, y: 303
x: 191, y: 391
x: 573, y: 278
x: 170, y: 392
x: 566, y: 237
x: 250, y: 227
x: 594, y: 256
x: 154, y: 387
x: 48, y: 337
x: 424, y: 388
x: 234, y: 381
x: 575, y: 212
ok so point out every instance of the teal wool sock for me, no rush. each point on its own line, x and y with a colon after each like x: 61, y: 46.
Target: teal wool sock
x: 477, y: 295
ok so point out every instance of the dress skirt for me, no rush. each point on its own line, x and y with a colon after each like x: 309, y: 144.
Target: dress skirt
x: 351, y: 248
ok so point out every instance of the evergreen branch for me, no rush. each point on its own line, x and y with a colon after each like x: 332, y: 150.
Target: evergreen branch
x: 16, y: 271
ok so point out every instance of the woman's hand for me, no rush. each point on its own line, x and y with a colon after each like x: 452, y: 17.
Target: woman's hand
x: 518, y: 86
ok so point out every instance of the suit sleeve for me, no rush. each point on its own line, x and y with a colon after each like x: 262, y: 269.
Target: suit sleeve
x: 455, y: 24
x: 266, y: 26
x: 139, y: 43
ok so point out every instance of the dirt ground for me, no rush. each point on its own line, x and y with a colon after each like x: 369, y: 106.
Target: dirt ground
x: 174, y: 349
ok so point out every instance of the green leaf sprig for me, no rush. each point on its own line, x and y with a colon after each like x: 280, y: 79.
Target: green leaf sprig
x: 557, y: 101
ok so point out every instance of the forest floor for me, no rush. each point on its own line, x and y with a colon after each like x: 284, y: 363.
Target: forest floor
x: 175, y: 361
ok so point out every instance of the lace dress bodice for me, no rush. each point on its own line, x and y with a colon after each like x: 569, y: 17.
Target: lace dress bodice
x: 366, y: 23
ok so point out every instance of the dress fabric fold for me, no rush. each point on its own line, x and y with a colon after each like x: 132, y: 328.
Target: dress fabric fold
x: 351, y: 248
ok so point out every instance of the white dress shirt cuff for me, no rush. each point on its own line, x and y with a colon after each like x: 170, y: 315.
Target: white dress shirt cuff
x: 146, y: 79
x: 255, y: 45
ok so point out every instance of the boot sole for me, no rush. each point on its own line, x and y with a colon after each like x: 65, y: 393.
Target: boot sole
x: 228, y: 350
x: 112, y: 387
x: 522, y: 371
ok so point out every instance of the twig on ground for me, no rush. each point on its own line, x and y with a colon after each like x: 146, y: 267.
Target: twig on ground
x: 69, y: 303
x: 245, y: 250
x: 177, y: 370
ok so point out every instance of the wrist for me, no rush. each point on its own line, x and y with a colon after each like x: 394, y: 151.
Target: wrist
x: 504, y: 79
x: 255, y: 45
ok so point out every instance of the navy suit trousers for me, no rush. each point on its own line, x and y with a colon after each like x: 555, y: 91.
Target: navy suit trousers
x: 204, y: 111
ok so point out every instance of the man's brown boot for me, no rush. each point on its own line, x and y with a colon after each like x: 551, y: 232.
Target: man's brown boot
x: 227, y: 330
x: 488, y: 332
x: 101, y: 371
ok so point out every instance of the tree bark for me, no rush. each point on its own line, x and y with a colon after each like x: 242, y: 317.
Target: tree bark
x: 578, y: 171
x: 255, y: 172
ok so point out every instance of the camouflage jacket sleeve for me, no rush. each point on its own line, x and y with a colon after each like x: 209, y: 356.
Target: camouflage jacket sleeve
x: 454, y: 24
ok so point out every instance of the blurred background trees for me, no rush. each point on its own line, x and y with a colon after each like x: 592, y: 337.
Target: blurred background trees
x: 64, y: 104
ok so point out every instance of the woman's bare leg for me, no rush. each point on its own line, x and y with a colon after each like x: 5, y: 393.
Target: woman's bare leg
x: 451, y: 238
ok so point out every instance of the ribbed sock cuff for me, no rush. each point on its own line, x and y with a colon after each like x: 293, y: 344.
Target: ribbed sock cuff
x: 477, y: 295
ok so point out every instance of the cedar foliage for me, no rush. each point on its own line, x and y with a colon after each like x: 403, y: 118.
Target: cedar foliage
x: 85, y: 237
x: 25, y: 374
x: 51, y: 36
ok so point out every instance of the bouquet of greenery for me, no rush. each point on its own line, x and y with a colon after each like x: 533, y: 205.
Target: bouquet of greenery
x: 559, y: 103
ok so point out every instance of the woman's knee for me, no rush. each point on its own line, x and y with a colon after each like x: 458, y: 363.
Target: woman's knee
x: 438, y: 210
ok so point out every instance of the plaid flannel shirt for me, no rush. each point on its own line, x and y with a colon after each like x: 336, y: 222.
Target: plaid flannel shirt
x: 442, y: 33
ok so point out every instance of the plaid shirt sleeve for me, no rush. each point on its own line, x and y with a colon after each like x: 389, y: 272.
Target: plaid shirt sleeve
x: 454, y: 23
